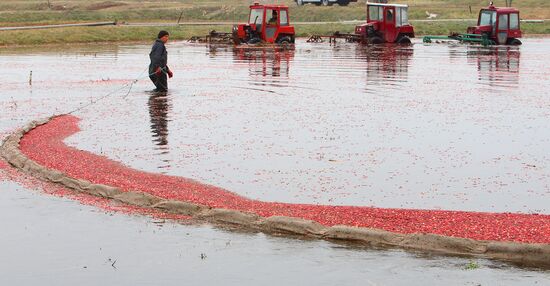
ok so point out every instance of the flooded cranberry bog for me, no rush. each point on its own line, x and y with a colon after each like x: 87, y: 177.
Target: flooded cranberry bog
x: 442, y: 139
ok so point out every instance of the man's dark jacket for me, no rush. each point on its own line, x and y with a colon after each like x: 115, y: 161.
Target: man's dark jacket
x: 159, y: 57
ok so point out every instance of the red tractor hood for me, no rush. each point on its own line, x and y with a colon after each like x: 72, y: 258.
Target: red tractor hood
x: 480, y: 29
x: 240, y: 29
x: 374, y: 24
x: 362, y: 29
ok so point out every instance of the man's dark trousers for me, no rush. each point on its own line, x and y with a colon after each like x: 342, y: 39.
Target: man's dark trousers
x: 160, y: 81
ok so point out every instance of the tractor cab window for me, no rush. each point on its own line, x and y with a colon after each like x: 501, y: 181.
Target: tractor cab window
x: 401, y: 16
x: 389, y: 15
x: 487, y: 18
x: 272, y: 16
x: 514, y: 21
x: 376, y: 13
x: 283, y: 18
x: 256, y: 16
x: 503, y: 22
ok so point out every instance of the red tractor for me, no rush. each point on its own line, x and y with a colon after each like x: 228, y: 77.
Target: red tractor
x: 266, y: 23
x: 386, y: 23
x: 500, y: 25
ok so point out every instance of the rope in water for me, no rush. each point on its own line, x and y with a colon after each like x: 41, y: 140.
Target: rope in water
x: 128, y: 85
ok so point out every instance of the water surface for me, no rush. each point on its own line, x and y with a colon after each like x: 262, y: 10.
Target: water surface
x: 428, y: 126
x: 452, y: 127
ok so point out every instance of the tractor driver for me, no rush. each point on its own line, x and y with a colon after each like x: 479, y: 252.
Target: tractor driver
x: 274, y: 18
x: 389, y: 16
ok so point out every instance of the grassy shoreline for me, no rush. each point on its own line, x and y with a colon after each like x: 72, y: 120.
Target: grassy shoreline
x: 139, y: 34
x: 37, y: 12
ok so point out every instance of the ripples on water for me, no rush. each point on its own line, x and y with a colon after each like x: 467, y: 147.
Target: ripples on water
x: 426, y: 126
x: 456, y: 127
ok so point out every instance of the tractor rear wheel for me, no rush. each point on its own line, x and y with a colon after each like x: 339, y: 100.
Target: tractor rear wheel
x: 375, y: 40
x: 404, y: 40
x: 343, y: 2
x: 513, y: 42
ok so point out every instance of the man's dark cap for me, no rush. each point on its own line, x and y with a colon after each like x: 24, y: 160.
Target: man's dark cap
x: 162, y: 34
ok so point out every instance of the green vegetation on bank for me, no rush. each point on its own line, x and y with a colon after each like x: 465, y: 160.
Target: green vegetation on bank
x: 97, y: 34
x: 37, y: 12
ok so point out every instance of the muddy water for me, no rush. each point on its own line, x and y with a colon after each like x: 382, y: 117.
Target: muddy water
x: 449, y: 127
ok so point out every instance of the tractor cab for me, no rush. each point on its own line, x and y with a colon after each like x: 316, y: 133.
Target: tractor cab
x: 266, y: 23
x: 386, y: 23
x: 500, y: 25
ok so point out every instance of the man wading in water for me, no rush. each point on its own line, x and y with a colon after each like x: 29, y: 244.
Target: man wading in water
x: 158, y: 70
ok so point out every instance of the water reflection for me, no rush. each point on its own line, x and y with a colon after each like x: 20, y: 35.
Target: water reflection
x: 387, y: 65
x: 497, y: 66
x: 159, y: 107
x: 264, y: 62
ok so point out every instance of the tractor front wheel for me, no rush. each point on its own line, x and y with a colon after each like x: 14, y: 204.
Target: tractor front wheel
x: 284, y: 41
x: 326, y: 3
x: 254, y: 41
x: 235, y: 36
x: 375, y: 40
x: 237, y: 41
x: 514, y: 42
x: 404, y: 40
